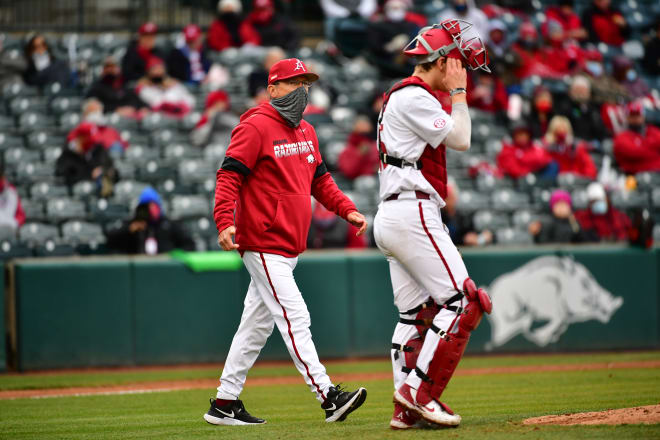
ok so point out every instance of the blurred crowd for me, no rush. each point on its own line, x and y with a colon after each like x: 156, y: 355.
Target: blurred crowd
x: 574, y: 92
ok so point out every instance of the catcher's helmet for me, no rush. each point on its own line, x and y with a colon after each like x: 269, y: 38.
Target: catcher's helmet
x: 448, y: 39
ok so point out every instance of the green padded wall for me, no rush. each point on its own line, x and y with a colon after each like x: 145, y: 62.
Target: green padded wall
x: 73, y: 314
x: 3, y: 333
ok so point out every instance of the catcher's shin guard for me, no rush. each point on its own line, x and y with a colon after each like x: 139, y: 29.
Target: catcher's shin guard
x: 451, y: 347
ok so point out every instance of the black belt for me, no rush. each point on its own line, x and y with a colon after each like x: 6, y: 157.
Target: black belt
x: 453, y: 299
x: 419, y: 194
x: 399, y: 163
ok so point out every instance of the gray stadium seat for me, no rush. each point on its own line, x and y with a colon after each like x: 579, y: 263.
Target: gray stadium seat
x: 195, y: 171
x: 8, y: 233
x: 31, y: 121
x: 79, y: 232
x: 23, y: 104
x: 509, y: 200
x: 366, y: 184
x: 65, y: 104
x: 126, y: 170
x: 139, y: 154
x: 155, y: 171
x: 68, y: 121
x: 189, y: 121
x: 655, y: 198
x: 9, y: 250
x: 570, y: 181
x: 189, y: 206
x: 34, y: 233
x: 9, y: 141
x: 120, y: 123
x: 62, y: 208
x: 14, y: 89
x: 28, y: 172
x: 470, y: 201
x: 53, y: 248
x: 522, y: 218
x: 648, y: 180
x: 51, y: 154
x: 6, y: 124
x: 579, y: 199
x: 16, y: 155
x: 656, y: 233
x: 42, y: 191
x: 34, y: 209
x: 510, y: 236
x: 629, y: 200
x: 128, y: 191
x: 201, y: 227
x: 489, y: 220
x: 343, y: 117
x: 156, y: 121
x: 84, y: 190
x: 486, y: 183
x: 39, y: 139
x: 105, y: 211
x: 174, y: 153
x: 215, y: 153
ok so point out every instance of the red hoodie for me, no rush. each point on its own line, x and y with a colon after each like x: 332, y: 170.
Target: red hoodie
x: 635, y: 153
x: 268, y: 175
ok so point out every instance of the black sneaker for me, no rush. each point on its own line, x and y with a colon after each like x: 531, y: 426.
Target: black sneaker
x: 233, y: 413
x: 339, y: 404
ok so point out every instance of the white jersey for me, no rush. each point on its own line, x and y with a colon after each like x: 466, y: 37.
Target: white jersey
x: 412, y: 119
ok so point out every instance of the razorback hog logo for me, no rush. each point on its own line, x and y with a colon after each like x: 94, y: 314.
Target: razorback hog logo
x: 542, y: 298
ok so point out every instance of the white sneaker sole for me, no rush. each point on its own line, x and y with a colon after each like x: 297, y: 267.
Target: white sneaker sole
x: 227, y: 421
x: 340, y: 411
x: 398, y: 424
x: 443, y: 418
x: 398, y: 398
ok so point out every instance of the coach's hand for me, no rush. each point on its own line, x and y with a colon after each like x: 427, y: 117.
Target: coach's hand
x: 357, y: 220
x: 455, y: 74
x: 225, y: 239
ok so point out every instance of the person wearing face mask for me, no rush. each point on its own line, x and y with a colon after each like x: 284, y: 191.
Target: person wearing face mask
x: 42, y: 66
x: 605, y: 23
x: 103, y: 134
x: 229, y: 29
x: 163, y: 93
x: 572, y: 157
x: 262, y: 209
x: 110, y: 89
x: 526, y: 54
x: 216, y: 122
x: 542, y: 111
x: 274, y: 29
x: 188, y: 63
x: 605, y: 89
x: 387, y: 34
x: 564, y: 14
x: 149, y: 232
x: 563, y: 227
x: 360, y: 155
x: 468, y: 11
x: 623, y: 70
x: 520, y: 156
x: 601, y: 219
x: 559, y: 55
x: 12, y: 215
x: 583, y: 114
x: 637, y: 148
x: 139, y: 52
x: 327, y: 231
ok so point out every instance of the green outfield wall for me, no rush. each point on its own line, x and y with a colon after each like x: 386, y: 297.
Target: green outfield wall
x: 144, y: 311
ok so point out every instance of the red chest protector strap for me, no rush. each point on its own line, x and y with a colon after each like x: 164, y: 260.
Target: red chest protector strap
x: 432, y: 163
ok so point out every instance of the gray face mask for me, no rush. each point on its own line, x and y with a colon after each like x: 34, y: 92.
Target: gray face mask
x: 291, y: 106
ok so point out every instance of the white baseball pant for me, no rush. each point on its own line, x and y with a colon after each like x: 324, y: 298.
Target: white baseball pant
x: 424, y: 263
x: 272, y: 298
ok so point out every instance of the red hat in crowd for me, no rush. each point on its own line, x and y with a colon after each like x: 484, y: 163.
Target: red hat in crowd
x: 153, y: 62
x: 290, y: 68
x: 263, y: 4
x: 215, y: 97
x: 86, y: 130
x: 635, y: 108
x: 528, y: 30
x: 191, y: 32
x: 148, y: 28
x: 592, y: 55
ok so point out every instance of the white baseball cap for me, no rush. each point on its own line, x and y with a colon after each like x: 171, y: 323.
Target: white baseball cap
x: 595, y: 191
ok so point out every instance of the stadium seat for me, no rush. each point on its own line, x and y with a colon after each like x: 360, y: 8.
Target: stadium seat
x: 510, y: 236
x: 42, y: 191
x: 343, y: 117
x: 17, y: 155
x: 128, y: 191
x: 33, y: 233
x: 15, y: 89
x: 195, y: 171
x: 522, y: 218
x: 156, y: 121
x: 78, y: 232
x: 154, y: 171
x: 509, y: 200
x: 189, y: 206
x: 166, y: 137
x: 63, y: 104
x: 51, y: 248
x: 489, y: 220
x: 51, y: 154
x: 648, y: 180
x: 201, y: 227
x: 34, y: 209
x: 120, y: 123
x: 570, y: 181
x: 7, y: 140
x: 470, y: 201
x: 29, y: 172
x: 579, y: 198
x: 30, y: 121
x: 170, y: 187
x: 655, y: 198
x: 215, y: 153
x: 366, y: 184
x: 126, y: 170
x: 68, y: 121
x: 175, y: 153
x: 62, y: 208
x: 140, y: 154
x: 630, y: 200
x: 84, y: 190
x: 109, y: 41
x: 40, y: 138
x: 105, y: 211
x: 656, y: 233
x: 487, y: 183
x: 134, y: 137
x: 8, y: 233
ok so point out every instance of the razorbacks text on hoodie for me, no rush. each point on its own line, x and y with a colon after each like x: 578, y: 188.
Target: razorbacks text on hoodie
x: 266, y: 180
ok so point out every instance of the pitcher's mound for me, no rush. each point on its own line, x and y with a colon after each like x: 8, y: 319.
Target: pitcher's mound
x: 640, y: 414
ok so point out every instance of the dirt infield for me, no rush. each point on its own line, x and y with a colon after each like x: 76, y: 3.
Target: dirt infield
x: 155, y: 386
x: 640, y: 414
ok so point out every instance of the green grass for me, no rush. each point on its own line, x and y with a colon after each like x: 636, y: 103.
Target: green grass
x: 492, y: 407
x: 122, y: 377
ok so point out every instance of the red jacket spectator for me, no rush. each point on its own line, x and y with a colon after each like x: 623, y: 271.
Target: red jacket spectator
x: 611, y: 226
x: 571, y: 157
x: 636, y: 151
x: 487, y: 92
x: 605, y: 23
x: 229, y: 29
x: 328, y: 231
x: 360, y: 156
x: 568, y: 19
x: 523, y: 156
x: 103, y: 134
x: 11, y: 211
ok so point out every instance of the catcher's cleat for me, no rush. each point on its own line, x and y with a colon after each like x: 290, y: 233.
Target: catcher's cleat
x: 403, y: 418
x: 429, y: 409
x: 233, y: 413
x: 339, y: 404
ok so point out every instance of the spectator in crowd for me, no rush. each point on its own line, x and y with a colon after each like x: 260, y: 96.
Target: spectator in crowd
x: 637, y: 149
x: 542, y: 112
x: 42, y: 66
x: 92, y: 113
x: 583, y: 114
x: 360, y: 155
x: 163, y: 93
x: 605, y: 23
x: 188, y: 63
x: 217, y: 121
x: 111, y: 90
x: 327, y: 230
x: 388, y: 34
x: 522, y: 156
x: 12, y: 215
x: 460, y: 226
x: 259, y: 76
x: 487, y: 93
x: 85, y: 159
x: 499, y: 52
x: 139, y: 52
x: 559, y: 56
x: 604, y: 87
x: 149, y: 231
x: 563, y: 227
x: 336, y: 11
x: 274, y: 29
x: 230, y: 29
x: 564, y: 14
x: 572, y: 157
x: 651, y: 60
x: 623, y: 70
x: 526, y: 53
x: 468, y: 11
x: 601, y: 219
